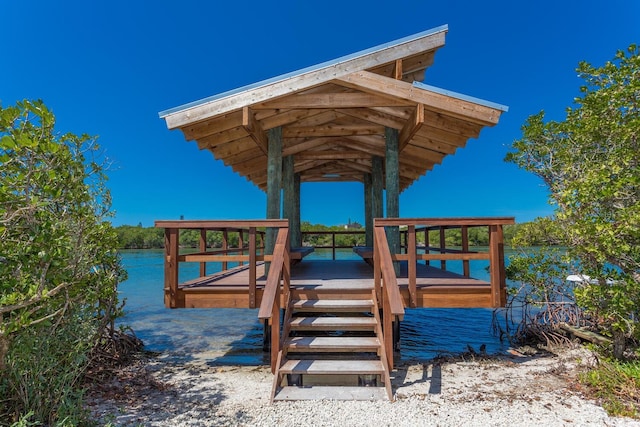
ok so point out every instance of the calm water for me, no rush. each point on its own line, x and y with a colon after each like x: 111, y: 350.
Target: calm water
x: 234, y: 336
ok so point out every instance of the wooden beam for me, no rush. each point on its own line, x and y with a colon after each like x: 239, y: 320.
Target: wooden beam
x: 253, y: 127
x: 373, y: 116
x: 433, y: 145
x: 297, y: 145
x: 330, y: 155
x: 334, y: 100
x: 397, y: 70
x: 224, y: 137
x: 456, y: 107
x: 332, y: 130
x: 233, y: 147
x: 411, y: 127
x: 283, y: 117
x: 209, y: 127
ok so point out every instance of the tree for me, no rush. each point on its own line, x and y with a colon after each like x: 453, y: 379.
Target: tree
x: 59, y: 267
x: 591, y: 166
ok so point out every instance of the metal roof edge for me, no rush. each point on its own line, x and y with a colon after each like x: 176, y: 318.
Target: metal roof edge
x: 461, y: 96
x: 442, y: 28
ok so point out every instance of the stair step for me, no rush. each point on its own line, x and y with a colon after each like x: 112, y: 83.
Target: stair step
x: 331, y: 393
x: 333, y: 323
x: 333, y: 367
x: 333, y: 344
x: 333, y: 305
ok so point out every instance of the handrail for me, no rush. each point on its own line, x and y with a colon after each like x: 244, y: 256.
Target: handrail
x: 389, y: 292
x: 270, y: 304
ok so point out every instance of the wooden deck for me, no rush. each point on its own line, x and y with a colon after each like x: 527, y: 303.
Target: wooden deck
x: 435, y: 287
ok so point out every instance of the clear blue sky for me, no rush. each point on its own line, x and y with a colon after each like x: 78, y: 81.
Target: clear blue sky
x: 107, y: 68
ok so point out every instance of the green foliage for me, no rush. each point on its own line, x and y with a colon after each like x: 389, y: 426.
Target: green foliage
x: 130, y: 237
x: 616, y: 384
x: 59, y: 267
x: 591, y: 167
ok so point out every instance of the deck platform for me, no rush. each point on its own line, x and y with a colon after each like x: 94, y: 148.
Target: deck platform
x: 435, y: 287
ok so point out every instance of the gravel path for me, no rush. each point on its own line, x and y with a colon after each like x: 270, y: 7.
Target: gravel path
x: 506, y: 391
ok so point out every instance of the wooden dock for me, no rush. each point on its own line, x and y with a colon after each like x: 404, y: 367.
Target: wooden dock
x: 341, y: 317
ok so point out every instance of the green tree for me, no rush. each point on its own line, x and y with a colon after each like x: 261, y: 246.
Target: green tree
x: 58, y: 265
x: 591, y: 166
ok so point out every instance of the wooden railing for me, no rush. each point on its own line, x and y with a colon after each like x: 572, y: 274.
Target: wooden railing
x: 277, y: 289
x: 333, y: 234
x: 495, y: 253
x: 386, y: 289
x: 251, y: 253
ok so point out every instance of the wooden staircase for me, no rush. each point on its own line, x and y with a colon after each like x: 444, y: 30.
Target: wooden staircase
x: 332, y: 347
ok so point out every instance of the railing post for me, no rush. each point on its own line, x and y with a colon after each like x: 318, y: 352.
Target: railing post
x: 377, y: 271
x: 252, y: 267
x: 410, y: 239
x: 496, y: 267
x: 443, y: 245
x: 171, y: 245
x: 333, y: 244
x: 427, y: 243
x: 241, y: 244
x: 225, y: 247
x: 203, y: 248
x: 464, y: 231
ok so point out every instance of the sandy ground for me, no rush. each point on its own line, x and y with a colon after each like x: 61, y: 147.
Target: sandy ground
x: 515, y: 390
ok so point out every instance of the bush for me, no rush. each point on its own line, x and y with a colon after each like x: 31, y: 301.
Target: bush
x: 59, y: 267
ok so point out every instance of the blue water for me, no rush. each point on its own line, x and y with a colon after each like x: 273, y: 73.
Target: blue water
x: 234, y: 336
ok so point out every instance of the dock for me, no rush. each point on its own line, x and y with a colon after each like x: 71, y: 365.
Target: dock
x: 334, y: 323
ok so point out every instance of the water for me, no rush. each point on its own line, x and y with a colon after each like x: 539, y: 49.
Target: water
x: 234, y: 336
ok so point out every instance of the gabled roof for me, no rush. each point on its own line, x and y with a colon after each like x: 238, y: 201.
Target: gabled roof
x: 333, y: 115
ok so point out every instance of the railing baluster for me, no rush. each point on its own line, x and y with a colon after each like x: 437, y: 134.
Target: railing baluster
x: 465, y: 248
x: 443, y: 246
x: 411, y: 250
x: 252, y: 267
x: 203, y: 248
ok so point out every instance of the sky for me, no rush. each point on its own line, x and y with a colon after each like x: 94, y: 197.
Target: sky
x: 107, y: 68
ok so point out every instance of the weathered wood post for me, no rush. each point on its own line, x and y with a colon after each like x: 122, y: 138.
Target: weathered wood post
x: 274, y: 186
x: 392, y: 181
x: 368, y: 210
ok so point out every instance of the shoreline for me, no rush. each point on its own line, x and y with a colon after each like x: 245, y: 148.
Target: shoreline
x: 472, y: 391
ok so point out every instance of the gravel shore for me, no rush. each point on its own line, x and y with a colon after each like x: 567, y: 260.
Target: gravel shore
x: 512, y: 390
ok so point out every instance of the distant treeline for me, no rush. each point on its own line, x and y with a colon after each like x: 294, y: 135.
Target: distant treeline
x: 138, y: 237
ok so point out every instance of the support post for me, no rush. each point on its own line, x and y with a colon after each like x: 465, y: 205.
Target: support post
x: 377, y: 171
x: 296, y: 233
x: 274, y: 186
x: 392, y: 185
x: 289, y: 190
x: 368, y: 212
